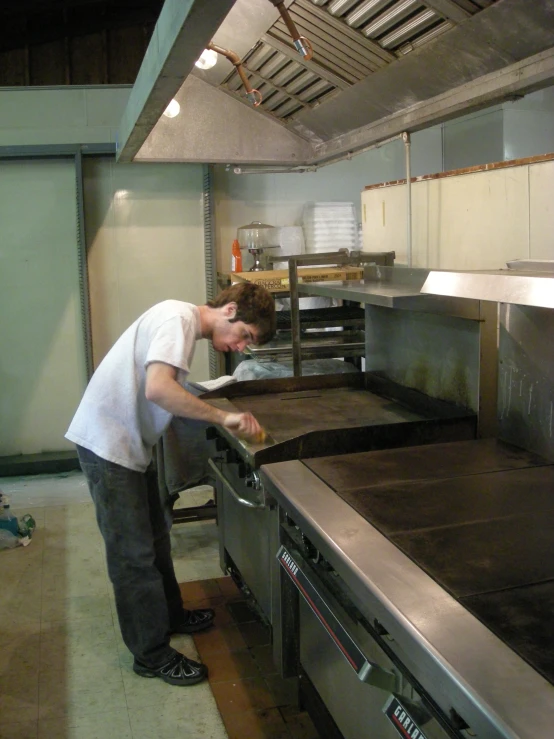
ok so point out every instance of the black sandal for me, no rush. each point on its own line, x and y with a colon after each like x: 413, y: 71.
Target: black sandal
x: 193, y: 621
x: 178, y: 671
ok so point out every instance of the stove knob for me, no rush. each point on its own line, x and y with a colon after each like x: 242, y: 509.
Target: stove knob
x: 211, y: 433
x: 220, y: 444
x: 241, y: 470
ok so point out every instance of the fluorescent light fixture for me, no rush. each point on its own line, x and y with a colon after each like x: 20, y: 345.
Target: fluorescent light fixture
x: 172, y: 109
x: 207, y: 59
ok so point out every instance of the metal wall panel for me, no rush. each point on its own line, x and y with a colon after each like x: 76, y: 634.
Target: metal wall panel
x: 526, y: 378
x: 42, y: 363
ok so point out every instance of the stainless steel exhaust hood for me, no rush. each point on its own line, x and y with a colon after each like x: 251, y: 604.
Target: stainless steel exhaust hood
x: 379, y: 67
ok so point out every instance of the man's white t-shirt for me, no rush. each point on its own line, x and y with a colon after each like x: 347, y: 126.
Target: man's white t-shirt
x: 114, y: 419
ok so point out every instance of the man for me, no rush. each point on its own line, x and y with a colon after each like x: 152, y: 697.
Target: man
x: 129, y: 402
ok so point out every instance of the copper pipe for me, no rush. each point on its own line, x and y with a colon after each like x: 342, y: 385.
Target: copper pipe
x: 285, y: 15
x: 232, y: 56
x: 254, y: 96
x: 301, y: 43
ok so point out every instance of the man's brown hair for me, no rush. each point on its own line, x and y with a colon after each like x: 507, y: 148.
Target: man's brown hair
x: 255, y: 306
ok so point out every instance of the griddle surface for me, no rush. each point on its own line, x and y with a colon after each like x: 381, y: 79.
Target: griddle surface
x: 485, y: 556
x: 291, y: 414
x: 437, y: 461
x: 409, y: 507
x: 521, y: 617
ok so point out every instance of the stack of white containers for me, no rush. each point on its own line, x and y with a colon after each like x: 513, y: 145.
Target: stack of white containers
x: 291, y: 242
x: 329, y: 227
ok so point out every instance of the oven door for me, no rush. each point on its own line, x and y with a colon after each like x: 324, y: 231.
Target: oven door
x: 248, y: 531
x: 364, y: 689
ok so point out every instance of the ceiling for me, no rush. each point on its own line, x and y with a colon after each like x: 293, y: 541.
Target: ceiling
x: 31, y: 22
x: 59, y: 42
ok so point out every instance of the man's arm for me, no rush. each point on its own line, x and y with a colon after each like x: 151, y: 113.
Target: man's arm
x: 163, y: 389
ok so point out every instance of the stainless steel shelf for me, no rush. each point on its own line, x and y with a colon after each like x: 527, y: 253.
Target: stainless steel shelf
x: 521, y: 288
x: 371, y: 292
x: 329, y: 344
x: 396, y: 287
x: 315, y: 352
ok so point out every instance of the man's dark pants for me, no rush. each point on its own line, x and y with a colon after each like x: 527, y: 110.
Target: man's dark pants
x: 138, y: 551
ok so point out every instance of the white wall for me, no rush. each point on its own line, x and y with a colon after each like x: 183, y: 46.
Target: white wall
x: 470, y: 221
x: 278, y: 199
x: 145, y: 235
x: 61, y: 115
x: 541, y: 211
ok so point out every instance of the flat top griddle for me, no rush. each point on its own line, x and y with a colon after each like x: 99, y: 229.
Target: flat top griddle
x: 478, y: 517
x: 337, y: 414
x: 287, y: 415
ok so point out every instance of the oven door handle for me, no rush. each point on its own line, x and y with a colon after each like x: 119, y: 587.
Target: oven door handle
x: 243, y: 501
x: 367, y: 672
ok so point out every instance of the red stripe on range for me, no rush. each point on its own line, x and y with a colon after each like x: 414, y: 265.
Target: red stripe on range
x: 320, y: 616
x: 402, y: 729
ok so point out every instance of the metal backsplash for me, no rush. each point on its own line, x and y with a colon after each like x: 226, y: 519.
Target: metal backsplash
x: 435, y: 354
x: 440, y: 345
x: 526, y: 378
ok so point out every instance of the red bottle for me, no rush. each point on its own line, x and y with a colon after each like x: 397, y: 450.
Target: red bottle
x: 236, y: 257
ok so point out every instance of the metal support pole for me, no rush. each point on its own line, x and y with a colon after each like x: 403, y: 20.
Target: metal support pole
x: 82, y: 257
x: 407, y: 147
x: 295, y: 318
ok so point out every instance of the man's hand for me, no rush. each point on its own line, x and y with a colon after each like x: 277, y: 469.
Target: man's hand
x: 244, y: 426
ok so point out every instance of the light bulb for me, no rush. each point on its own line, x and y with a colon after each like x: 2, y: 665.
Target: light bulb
x: 172, y: 109
x: 207, y: 59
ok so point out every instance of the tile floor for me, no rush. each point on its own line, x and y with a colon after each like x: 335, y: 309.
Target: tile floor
x: 64, y: 670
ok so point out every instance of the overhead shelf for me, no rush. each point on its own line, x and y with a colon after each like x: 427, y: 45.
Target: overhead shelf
x: 370, y: 292
x: 419, y: 289
x: 533, y: 289
x: 392, y: 287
